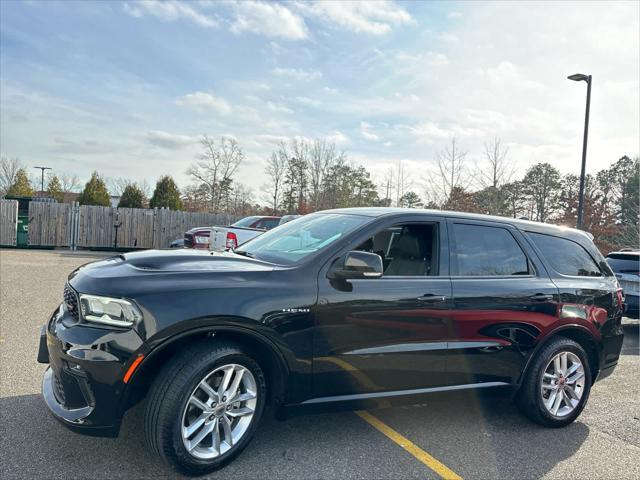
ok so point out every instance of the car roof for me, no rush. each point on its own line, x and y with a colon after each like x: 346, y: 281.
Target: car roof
x: 539, y: 227
x: 629, y: 253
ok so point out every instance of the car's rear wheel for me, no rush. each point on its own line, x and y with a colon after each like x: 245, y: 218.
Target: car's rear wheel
x: 204, y: 407
x: 557, y: 384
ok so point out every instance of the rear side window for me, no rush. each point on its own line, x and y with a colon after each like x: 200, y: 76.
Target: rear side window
x: 566, y: 256
x: 487, y: 251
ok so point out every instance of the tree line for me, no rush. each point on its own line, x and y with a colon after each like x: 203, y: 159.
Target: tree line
x: 303, y: 176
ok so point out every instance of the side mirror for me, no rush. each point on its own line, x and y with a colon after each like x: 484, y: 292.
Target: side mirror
x: 358, y: 264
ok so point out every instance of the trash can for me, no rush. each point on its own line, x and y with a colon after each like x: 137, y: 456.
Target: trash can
x: 22, y: 232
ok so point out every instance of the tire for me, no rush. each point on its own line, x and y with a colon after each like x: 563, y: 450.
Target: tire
x: 172, y: 407
x: 535, y: 400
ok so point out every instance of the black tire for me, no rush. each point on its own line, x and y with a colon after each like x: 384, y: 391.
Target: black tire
x: 170, y: 392
x: 529, y: 398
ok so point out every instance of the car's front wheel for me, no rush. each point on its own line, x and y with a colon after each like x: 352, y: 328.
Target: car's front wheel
x: 557, y: 384
x: 204, y: 407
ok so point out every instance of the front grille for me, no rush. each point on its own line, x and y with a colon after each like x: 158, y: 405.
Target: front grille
x: 71, y: 301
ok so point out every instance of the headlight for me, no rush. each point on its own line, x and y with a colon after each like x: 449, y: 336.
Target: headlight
x: 109, y: 311
x: 200, y: 239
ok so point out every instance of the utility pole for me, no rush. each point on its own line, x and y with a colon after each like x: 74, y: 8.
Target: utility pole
x: 42, y: 179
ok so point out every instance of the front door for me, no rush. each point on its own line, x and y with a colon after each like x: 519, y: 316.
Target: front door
x: 386, y: 334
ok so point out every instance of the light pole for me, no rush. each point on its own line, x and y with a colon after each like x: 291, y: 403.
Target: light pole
x: 42, y: 181
x: 579, y: 77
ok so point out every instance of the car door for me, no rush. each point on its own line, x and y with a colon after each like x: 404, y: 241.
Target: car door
x: 502, y: 299
x: 389, y: 333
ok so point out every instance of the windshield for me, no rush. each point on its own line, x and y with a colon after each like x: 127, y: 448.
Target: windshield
x: 624, y: 263
x: 292, y: 242
x: 245, y: 222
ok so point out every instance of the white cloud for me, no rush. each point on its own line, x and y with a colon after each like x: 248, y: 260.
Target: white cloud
x: 365, y: 131
x: 431, y: 59
x: 297, y: 73
x: 506, y: 73
x: 372, y: 17
x: 205, y: 101
x: 308, y: 102
x: 454, y: 14
x: 170, y: 141
x: 168, y: 11
x: 337, y: 137
x: 269, y: 19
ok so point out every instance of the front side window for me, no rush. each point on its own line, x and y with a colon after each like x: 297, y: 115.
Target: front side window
x: 487, y: 251
x: 566, y: 256
x: 294, y: 241
x: 408, y: 250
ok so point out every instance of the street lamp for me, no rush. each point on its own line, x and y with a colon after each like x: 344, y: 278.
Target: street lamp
x: 42, y: 181
x: 579, y: 77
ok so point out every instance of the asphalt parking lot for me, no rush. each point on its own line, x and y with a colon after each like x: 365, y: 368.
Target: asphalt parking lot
x: 469, y: 436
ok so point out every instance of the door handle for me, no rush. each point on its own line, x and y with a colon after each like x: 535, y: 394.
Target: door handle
x: 432, y: 298
x: 541, y: 297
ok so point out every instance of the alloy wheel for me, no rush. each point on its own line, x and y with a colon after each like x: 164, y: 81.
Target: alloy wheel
x: 562, y: 384
x: 219, y: 411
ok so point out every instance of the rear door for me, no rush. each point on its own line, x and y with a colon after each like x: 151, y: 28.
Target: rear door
x: 502, y: 299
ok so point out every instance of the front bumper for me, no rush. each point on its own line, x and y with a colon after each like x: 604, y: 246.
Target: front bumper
x: 83, y: 386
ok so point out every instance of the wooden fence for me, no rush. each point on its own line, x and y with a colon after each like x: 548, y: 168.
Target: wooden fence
x: 49, y: 224
x: 8, y: 222
x: 61, y: 225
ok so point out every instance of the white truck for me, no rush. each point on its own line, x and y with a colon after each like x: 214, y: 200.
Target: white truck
x: 223, y: 238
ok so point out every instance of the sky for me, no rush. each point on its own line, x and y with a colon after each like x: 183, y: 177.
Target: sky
x: 127, y: 88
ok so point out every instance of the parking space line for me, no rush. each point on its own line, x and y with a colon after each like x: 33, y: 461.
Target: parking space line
x: 438, y: 467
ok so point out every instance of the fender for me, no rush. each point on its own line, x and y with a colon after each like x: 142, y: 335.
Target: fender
x: 212, y: 325
x: 545, y: 340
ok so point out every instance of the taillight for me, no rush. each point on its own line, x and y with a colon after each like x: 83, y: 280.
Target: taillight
x: 620, y: 296
x: 232, y: 240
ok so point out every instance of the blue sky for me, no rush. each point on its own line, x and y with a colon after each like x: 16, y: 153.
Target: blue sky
x: 128, y: 87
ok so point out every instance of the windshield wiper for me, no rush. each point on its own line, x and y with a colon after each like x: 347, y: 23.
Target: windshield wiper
x: 244, y: 253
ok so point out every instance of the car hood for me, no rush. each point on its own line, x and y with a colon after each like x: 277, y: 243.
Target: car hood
x: 165, y: 269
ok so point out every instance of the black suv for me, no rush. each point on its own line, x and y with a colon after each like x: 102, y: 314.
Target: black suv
x: 337, y: 308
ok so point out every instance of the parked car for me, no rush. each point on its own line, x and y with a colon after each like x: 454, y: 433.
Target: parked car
x: 626, y: 265
x: 340, y: 308
x: 287, y: 219
x: 223, y: 238
x: 177, y: 243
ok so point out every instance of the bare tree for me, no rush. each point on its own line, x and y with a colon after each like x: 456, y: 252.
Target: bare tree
x: 401, y: 182
x: 276, y: 170
x: 69, y: 182
x: 450, y: 173
x: 116, y: 185
x: 217, y: 166
x: 8, y: 170
x: 496, y: 172
x: 322, y: 156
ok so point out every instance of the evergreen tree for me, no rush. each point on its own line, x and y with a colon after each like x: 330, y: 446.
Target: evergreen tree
x: 132, y: 197
x: 54, y: 189
x: 410, y: 200
x: 21, y: 185
x: 95, y: 192
x: 166, y: 194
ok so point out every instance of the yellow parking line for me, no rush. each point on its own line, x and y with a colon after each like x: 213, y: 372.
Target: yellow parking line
x: 409, y: 446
